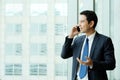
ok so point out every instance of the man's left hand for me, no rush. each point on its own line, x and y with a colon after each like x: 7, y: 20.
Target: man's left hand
x: 88, y: 62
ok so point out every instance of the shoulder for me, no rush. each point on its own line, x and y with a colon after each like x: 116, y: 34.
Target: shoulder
x: 103, y: 38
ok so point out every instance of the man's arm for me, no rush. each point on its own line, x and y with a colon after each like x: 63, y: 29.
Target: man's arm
x: 67, y: 48
x: 109, y: 58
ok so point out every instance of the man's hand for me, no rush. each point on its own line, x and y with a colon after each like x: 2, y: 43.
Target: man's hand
x: 73, y: 32
x: 89, y: 62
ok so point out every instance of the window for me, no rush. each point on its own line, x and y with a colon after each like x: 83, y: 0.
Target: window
x: 61, y: 9
x: 13, y: 69
x: 60, y: 29
x: 58, y: 48
x: 38, y: 69
x: 38, y: 29
x: 13, y: 49
x: 32, y: 31
x: 9, y: 69
x: 58, y: 71
x: 13, y: 29
x: 38, y: 9
x: 13, y: 9
x: 38, y: 49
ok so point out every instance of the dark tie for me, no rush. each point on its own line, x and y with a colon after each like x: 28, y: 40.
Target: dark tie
x: 83, y: 68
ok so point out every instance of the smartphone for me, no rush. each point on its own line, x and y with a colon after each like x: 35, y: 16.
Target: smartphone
x: 78, y: 29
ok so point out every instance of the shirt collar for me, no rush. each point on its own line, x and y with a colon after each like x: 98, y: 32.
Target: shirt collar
x: 91, y: 36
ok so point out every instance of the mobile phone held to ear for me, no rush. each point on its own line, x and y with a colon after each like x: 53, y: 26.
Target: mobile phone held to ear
x: 78, y: 29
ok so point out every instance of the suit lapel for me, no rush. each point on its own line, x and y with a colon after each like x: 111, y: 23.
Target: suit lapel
x: 94, y: 44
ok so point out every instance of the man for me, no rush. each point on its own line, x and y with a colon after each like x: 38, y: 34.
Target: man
x: 99, y: 49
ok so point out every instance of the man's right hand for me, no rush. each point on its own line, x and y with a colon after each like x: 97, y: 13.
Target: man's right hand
x: 73, y: 32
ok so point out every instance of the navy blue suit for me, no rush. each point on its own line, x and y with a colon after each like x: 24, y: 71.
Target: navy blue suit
x: 102, y: 55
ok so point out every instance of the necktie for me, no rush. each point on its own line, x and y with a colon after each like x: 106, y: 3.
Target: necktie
x: 83, y: 68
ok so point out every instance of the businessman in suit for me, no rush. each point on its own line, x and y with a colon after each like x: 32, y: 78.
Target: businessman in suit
x: 100, y: 57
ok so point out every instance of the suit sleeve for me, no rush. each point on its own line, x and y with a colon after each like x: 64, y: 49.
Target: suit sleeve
x: 108, y: 62
x: 67, y: 48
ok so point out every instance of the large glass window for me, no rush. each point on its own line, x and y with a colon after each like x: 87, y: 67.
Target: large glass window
x: 32, y: 33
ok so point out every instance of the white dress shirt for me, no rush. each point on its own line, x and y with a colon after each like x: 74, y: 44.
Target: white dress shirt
x: 91, y: 38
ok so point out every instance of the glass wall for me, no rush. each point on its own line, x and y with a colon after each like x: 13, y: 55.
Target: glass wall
x: 32, y: 33
x: 108, y: 14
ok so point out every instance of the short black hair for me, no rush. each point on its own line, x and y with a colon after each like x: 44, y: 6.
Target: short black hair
x: 91, y: 16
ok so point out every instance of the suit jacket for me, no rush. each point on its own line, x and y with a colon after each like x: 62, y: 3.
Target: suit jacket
x: 102, y: 55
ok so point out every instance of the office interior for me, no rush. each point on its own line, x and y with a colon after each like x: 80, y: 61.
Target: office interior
x: 32, y: 33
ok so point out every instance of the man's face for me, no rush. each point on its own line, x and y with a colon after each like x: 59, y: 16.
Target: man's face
x: 83, y: 24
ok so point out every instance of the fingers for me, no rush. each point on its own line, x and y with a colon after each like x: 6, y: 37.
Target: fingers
x: 88, y: 62
x: 87, y: 58
x: 80, y: 61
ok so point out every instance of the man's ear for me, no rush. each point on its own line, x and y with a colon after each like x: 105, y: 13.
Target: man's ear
x: 91, y: 23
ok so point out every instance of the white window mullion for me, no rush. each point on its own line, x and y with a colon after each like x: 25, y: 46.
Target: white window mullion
x: 72, y: 20
x: 50, y: 43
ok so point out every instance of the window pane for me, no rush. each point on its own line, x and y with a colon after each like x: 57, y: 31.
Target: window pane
x: 38, y: 69
x: 38, y: 49
x: 61, y: 69
x: 58, y: 48
x: 61, y: 9
x: 13, y: 49
x: 38, y: 9
x: 8, y: 69
x: 13, y: 29
x: 17, y: 69
x: 42, y: 69
x: 33, y: 69
x: 38, y: 29
x: 60, y: 29
x: 13, y: 9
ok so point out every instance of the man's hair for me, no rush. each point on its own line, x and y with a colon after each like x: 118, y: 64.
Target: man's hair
x: 91, y: 16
